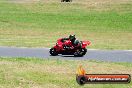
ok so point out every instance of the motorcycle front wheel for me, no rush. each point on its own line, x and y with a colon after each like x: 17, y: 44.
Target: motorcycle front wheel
x: 53, y: 52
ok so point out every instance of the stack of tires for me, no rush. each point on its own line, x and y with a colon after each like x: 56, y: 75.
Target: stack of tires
x: 66, y: 0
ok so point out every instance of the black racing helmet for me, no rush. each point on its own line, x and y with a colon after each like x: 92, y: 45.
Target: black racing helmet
x: 72, y: 37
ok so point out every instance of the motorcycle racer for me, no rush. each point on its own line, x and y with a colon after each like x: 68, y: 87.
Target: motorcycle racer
x: 70, y: 46
x: 74, y: 42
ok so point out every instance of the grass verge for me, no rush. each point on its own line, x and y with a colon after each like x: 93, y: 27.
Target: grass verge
x: 55, y: 73
x: 106, y: 23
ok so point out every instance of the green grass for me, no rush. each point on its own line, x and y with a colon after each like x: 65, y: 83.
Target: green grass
x: 108, y: 25
x: 55, y: 73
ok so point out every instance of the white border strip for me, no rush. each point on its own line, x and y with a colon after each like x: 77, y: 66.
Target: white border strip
x: 49, y: 48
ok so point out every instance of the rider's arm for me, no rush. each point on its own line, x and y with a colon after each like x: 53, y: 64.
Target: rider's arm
x: 63, y: 39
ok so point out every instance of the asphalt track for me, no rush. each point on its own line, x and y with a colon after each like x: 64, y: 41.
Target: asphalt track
x: 100, y: 55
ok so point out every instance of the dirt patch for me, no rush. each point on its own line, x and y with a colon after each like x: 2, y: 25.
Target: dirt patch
x: 23, y: 1
x: 32, y: 1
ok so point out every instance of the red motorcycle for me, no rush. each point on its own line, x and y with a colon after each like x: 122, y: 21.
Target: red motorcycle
x: 65, y: 47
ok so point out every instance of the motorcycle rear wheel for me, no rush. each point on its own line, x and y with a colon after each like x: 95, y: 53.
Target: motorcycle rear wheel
x: 80, y: 53
x: 84, y: 50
